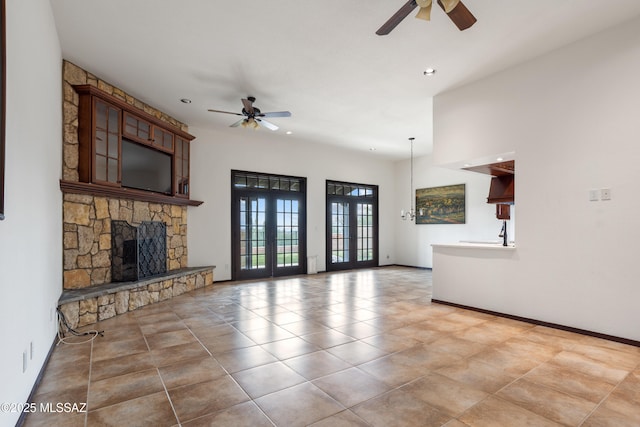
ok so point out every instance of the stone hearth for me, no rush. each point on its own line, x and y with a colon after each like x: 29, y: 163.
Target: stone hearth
x: 89, y: 305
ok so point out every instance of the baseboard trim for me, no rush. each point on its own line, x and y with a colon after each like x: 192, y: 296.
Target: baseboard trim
x: 36, y: 384
x: 543, y: 323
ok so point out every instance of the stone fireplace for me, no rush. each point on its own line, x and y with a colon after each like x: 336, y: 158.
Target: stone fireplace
x: 88, y: 220
x: 101, y: 277
x: 138, y: 252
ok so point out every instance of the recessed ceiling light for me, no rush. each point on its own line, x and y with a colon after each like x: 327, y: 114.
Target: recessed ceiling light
x: 288, y: 132
x: 466, y: 165
x: 499, y: 159
x: 429, y: 71
x: 185, y: 101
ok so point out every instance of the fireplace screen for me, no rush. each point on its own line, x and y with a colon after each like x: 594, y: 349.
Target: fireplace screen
x: 138, y: 252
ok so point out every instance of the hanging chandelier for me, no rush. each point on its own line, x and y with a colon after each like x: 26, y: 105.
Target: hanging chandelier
x: 411, y: 213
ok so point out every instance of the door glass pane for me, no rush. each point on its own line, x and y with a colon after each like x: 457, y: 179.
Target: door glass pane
x: 339, y: 232
x: 364, y: 242
x: 252, y: 233
x: 287, y: 231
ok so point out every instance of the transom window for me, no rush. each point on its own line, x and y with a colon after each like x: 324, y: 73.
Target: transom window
x: 266, y: 182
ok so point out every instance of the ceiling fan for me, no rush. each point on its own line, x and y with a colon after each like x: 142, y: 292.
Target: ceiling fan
x: 455, y: 9
x: 252, y: 116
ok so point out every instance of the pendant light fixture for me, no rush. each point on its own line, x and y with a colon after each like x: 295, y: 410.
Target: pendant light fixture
x: 411, y: 213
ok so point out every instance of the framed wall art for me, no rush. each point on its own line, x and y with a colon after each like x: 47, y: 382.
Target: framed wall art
x: 2, y: 104
x: 441, y: 205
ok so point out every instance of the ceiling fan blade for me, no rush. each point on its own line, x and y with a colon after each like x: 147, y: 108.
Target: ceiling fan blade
x: 238, y: 123
x: 275, y: 114
x: 397, y: 17
x: 267, y: 124
x: 226, y: 112
x: 248, y: 106
x: 460, y: 15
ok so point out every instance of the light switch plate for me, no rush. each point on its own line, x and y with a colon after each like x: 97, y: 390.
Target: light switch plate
x: 594, y: 195
x: 605, y: 194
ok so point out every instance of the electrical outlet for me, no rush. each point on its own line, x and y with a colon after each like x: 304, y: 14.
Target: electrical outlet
x: 605, y: 194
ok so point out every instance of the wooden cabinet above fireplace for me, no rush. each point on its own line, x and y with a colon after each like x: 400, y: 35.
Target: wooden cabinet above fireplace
x: 124, y: 151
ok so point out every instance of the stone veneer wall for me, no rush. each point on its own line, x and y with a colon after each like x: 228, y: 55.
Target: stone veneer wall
x: 74, y: 75
x: 109, y: 303
x: 87, y: 235
x: 87, y: 219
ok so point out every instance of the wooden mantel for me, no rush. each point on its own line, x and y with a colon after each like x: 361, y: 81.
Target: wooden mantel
x: 123, y: 193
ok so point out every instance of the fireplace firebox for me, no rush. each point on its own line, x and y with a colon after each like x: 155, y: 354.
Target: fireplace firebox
x: 138, y: 251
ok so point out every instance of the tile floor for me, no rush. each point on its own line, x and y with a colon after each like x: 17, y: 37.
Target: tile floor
x: 357, y: 348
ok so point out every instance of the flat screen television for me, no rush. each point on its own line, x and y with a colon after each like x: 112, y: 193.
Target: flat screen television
x: 144, y: 168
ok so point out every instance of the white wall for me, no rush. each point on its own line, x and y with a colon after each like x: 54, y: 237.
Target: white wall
x: 413, y: 241
x: 571, y: 117
x: 30, y: 236
x: 215, y: 153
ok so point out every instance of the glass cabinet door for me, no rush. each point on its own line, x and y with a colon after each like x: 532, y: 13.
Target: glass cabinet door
x: 136, y: 128
x: 106, y: 168
x: 181, y: 167
x: 162, y: 139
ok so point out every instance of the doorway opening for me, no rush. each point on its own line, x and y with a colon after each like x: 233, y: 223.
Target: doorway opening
x: 268, y: 225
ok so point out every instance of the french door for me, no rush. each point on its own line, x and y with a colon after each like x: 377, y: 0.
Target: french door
x: 268, y: 226
x: 352, y: 226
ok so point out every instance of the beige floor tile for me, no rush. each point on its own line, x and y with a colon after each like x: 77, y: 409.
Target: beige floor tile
x: 196, y: 400
x: 290, y: 347
x: 153, y: 410
x: 224, y: 343
x: 317, y: 364
x: 163, y: 326
x: 399, y: 408
x: 547, y: 402
x: 341, y: 419
x: 170, y: 339
x: 170, y: 355
x: 191, y: 371
x: 448, y: 396
x: 269, y: 334
x: 607, y: 372
x: 351, y: 386
x: 479, y: 375
x: 570, y: 381
x: 116, y: 366
x: 244, y: 358
x: 268, y: 378
x: 107, y: 349
x: 390, y: 342
x: 47, y: 419
x: 495, y: 412
x: 245, y: 414
x: 358, y: 330
x: 625, y: 398
x: 298, y: 406
x: 391, y: 356
x: 604, y: 417
x: 110, y: 391
x: 356, y: 352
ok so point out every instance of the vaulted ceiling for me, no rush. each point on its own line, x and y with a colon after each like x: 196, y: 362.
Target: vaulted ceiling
x: 322, y: 61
